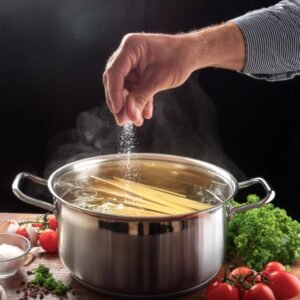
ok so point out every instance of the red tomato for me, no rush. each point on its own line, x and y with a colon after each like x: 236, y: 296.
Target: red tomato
x: 259, y: 291
x: 221, y: 290
x: 242, y: 272
x: 37, y: 225
x: 243, y: 278
x: 52, y: 221
x: 49, y: 240
x: 284, y: 285
x: 274, y: 266
x: 216, y: 281
x: 22, y: 231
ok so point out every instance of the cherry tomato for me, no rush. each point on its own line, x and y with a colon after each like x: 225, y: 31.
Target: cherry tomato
x: 259, y: 291
x: 221, y: 290
x: 284, y: 285
x: 52, y: 221
x: 22, y: 231
x: 242, y: 272
x: 243, y: 278
x: 49, y: 240
x: 37, y: 225
x: 274, y: 266
x: 216, y: 281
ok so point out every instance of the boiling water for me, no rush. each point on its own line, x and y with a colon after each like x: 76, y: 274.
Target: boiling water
x: 91, y: 197
x: 162, y: 189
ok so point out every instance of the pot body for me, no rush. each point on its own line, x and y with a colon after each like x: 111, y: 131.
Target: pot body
x: 144, y: 256
x: 141, y: 257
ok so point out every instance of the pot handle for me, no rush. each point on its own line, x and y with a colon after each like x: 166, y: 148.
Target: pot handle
x: 28, y: 199
x: 268, y: 198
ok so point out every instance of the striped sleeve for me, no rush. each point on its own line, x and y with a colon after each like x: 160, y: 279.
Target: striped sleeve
x: 272, y: 41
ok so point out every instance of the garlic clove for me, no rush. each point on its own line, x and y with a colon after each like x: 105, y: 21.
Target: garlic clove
x: 33, y: 233
x: 9, y: 226
x: 32, y: 255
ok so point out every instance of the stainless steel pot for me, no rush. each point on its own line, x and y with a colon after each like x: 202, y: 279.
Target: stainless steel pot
x: 144, y: 256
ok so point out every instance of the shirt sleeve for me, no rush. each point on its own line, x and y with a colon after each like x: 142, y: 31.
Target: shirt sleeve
x: 272, y: 41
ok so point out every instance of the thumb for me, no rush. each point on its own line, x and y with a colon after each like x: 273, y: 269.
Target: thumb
x: 138, y: 99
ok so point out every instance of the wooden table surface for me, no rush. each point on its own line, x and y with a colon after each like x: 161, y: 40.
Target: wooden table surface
x: 12, y: 284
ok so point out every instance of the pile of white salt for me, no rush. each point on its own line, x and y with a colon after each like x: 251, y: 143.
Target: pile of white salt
x: 9, y: 251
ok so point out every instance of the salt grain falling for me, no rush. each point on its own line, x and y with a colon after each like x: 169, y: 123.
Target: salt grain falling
x: 127, y: 139
x: 128, y: 145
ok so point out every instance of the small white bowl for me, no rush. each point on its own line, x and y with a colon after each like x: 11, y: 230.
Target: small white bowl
x: 9, y: 267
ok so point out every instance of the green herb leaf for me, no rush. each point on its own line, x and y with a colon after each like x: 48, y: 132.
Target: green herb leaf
x: 261, y: 235
x: 44, y: 278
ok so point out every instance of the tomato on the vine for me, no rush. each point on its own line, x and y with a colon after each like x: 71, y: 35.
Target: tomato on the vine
x: 284, y: 285
x: 242, y: 278
x: 274, y: 266
x: 259, y: 291
x: 216, y: 281
x: 242, y: 273
x: 52, y: 222
x: 48, y: 240
x: 22, y: 231
x: 272, y: 283
x: 37, y: 225
x: 221, y: 290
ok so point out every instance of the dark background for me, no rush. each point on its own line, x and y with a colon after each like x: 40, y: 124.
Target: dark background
x: 52, y: 55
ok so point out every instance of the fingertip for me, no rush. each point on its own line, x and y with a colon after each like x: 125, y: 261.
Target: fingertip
x: 139, y: 123
x: 118, y: 101
x: 148, y: 110
x: 114, y: 87
x: 121, y: 118
x: 116, y: 107
x: 148, y: 117
x: 133, y: 110
x: 118, y: 121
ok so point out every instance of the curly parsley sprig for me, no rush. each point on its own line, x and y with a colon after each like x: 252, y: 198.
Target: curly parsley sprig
x: 263, y: 234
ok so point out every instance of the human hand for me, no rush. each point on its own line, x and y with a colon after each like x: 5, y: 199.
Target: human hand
x: 143, y: 65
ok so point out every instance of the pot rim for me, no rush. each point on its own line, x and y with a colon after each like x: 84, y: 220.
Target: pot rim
x: 230, y: 179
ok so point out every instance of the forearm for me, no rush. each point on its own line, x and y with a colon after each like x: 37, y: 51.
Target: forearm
x: 264, y: 43
x: 219, y: 46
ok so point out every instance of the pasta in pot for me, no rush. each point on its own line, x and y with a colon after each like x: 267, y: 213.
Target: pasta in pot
x: 124, y: 197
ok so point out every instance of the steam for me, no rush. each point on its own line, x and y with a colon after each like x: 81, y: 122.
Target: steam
x: 184, y: 123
